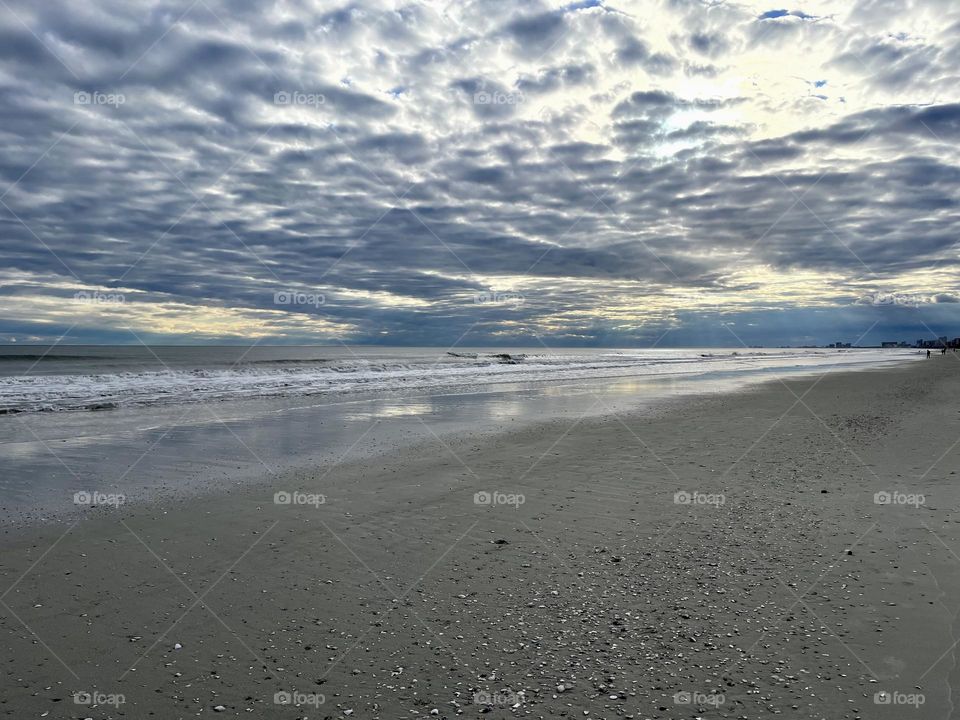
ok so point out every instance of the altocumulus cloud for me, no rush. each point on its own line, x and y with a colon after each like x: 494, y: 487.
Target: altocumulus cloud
x: 362, y: 172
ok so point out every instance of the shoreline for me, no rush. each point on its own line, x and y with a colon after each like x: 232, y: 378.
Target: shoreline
x: 598, y: 574
x: 167, y: 452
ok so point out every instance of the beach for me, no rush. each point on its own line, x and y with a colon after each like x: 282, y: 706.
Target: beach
x: 786, y: 548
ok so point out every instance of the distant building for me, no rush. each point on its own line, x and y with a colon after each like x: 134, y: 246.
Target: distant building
x: 940, y: 342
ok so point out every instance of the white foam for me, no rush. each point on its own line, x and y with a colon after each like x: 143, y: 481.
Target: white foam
x: 34, y: 393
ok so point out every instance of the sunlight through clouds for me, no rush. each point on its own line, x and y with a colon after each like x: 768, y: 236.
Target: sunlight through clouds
x: 613, y: 163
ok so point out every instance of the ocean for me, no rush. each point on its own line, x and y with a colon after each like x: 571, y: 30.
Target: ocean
x: 161, y: 422
x: 71, y: 378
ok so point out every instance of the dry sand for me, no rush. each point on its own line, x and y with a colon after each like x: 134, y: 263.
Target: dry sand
x: 599, y: 596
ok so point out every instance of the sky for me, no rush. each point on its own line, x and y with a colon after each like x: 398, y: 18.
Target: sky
x: 657, y: 173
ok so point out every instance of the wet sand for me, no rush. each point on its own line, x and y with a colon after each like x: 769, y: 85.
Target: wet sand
x: 726, y: 557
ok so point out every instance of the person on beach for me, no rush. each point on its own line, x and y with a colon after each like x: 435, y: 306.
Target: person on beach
x: 944, y: 351
x: 928, y: 353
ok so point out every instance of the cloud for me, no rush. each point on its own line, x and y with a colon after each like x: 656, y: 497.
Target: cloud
x: 890, y: 62
x: 709, y: 44
x: 550, y: 79
x: 627, y: 172
x: 536, y: 34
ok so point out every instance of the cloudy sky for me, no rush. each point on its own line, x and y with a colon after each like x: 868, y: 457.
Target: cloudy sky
x: 490, y: 172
